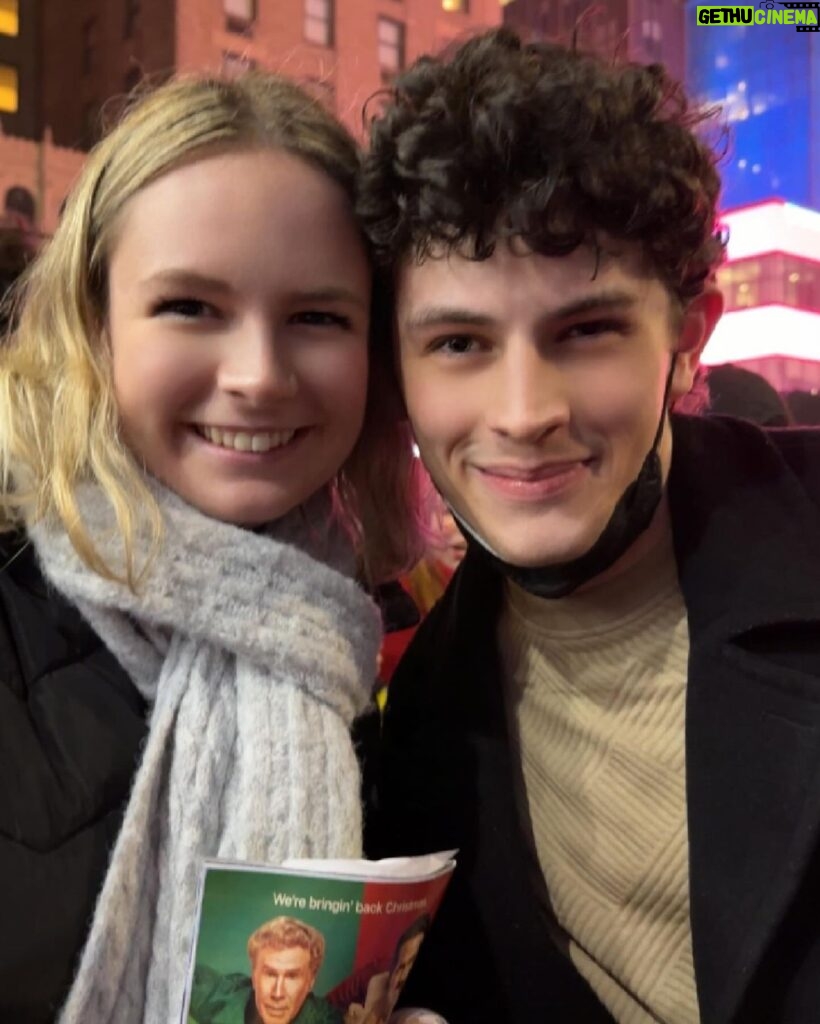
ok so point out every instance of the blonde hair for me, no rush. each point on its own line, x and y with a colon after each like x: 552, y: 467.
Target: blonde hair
x: 59, y: 423
x: 285, y: 933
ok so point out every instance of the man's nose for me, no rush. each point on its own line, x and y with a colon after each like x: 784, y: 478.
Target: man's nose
x: 528, y: 394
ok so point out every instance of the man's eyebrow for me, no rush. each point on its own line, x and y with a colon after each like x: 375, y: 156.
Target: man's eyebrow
x: 614, y: 298
x: 435, y: 316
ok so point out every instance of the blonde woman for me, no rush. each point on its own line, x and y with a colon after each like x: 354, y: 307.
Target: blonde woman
x: 183, y: 465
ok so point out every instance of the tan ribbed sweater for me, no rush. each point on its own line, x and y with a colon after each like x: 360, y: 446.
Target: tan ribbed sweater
x: 597, y: 686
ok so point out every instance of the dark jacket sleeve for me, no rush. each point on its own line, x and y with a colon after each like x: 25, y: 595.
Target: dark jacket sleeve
x: 71, y: 727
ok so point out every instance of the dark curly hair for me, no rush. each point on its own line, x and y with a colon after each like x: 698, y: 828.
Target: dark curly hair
x: 500, y: 139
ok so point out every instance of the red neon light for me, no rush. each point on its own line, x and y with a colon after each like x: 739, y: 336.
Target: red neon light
x: 771, y: 226
x: 762, y: 331
x: 813, y: 260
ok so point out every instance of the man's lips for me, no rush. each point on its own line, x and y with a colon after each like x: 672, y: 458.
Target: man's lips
x: 541, y: 482
x: 530, y: 472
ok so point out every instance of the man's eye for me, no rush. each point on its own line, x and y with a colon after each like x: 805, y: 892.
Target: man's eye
x: 186, y: 309
x: 591, y: 329
x: 321, y: 318
x: 455, y: 344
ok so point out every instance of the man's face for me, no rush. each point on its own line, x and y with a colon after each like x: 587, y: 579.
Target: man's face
x: 281, y: 979
x: 534, y: 386
x: 406, y: 958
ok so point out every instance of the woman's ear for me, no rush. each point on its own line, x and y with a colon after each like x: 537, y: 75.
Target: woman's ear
x: 697, y: 322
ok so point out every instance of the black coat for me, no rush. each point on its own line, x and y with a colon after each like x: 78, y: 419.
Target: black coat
x: 71, y: 727
x: 745, y: 509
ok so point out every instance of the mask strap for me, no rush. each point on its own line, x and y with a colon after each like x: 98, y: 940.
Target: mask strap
x: 666, y: 390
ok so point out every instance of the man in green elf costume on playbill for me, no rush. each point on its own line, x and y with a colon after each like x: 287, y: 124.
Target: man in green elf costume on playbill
x: 285, y: 956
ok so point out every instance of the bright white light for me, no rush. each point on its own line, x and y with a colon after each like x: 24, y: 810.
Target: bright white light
x: 773, y: 227
x: 764, y: 331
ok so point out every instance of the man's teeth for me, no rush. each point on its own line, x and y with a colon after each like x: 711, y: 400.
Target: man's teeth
x: 241, y: 441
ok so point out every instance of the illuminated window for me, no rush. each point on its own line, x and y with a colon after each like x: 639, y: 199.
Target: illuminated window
x: 239, y: 15
x: 9, y: 95
x: 652, y: 29
x: 455, y: 5
x: 9, y: 17
x: 234, y: 65
x: 771, y: 279
x: 319, y: 22
x: 391, y: 45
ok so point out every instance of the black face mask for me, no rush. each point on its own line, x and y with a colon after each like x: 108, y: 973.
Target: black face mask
x: 631, y: 516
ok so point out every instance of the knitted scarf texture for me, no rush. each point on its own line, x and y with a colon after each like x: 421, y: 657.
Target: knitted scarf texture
x: 255, y: 651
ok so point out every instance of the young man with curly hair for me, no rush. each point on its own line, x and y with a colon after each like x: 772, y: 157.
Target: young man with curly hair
x: 614, y: 711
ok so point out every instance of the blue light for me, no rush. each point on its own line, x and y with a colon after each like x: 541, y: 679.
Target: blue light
x: 766, y: 80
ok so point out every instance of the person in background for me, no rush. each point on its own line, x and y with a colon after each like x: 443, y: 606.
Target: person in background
x: 384, y: 988
x: 804, y: 406
x: 428, y: 580
x: 614, y: 711
x: 195, y: 455
x: 19, y: 210
x: 15, y: 256
x: 404, y: 602
x: 736, y: 391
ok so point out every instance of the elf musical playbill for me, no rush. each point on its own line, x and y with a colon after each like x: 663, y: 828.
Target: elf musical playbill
x: 311, y: 942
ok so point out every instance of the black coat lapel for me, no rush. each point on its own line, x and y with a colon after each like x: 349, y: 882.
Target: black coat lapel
x: 489, y: 956
x: 747, y: 538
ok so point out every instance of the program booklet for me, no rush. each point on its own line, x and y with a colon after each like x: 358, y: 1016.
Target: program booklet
x: 310, y: 942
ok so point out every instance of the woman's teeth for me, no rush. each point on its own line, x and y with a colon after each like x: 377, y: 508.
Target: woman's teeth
x: 242, y: 441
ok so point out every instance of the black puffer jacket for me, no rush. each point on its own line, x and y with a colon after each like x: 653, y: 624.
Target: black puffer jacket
x: 71, y: 729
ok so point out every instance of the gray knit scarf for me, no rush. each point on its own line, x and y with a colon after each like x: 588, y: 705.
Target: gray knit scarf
x: 255, y: 653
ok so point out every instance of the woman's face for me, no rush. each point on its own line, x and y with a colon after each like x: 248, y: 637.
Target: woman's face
x: 239, y: 295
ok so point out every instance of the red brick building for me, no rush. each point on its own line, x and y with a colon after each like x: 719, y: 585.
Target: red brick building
x: 647, y: 31
x: 343, y: 50
x: 19, y: 67
x: 83, y: 56
x: 34, y: 174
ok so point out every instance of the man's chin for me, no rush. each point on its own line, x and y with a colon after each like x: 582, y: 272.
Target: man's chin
x: 537, y: 556
x: 275, y: 1014
x: 521, y: 546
